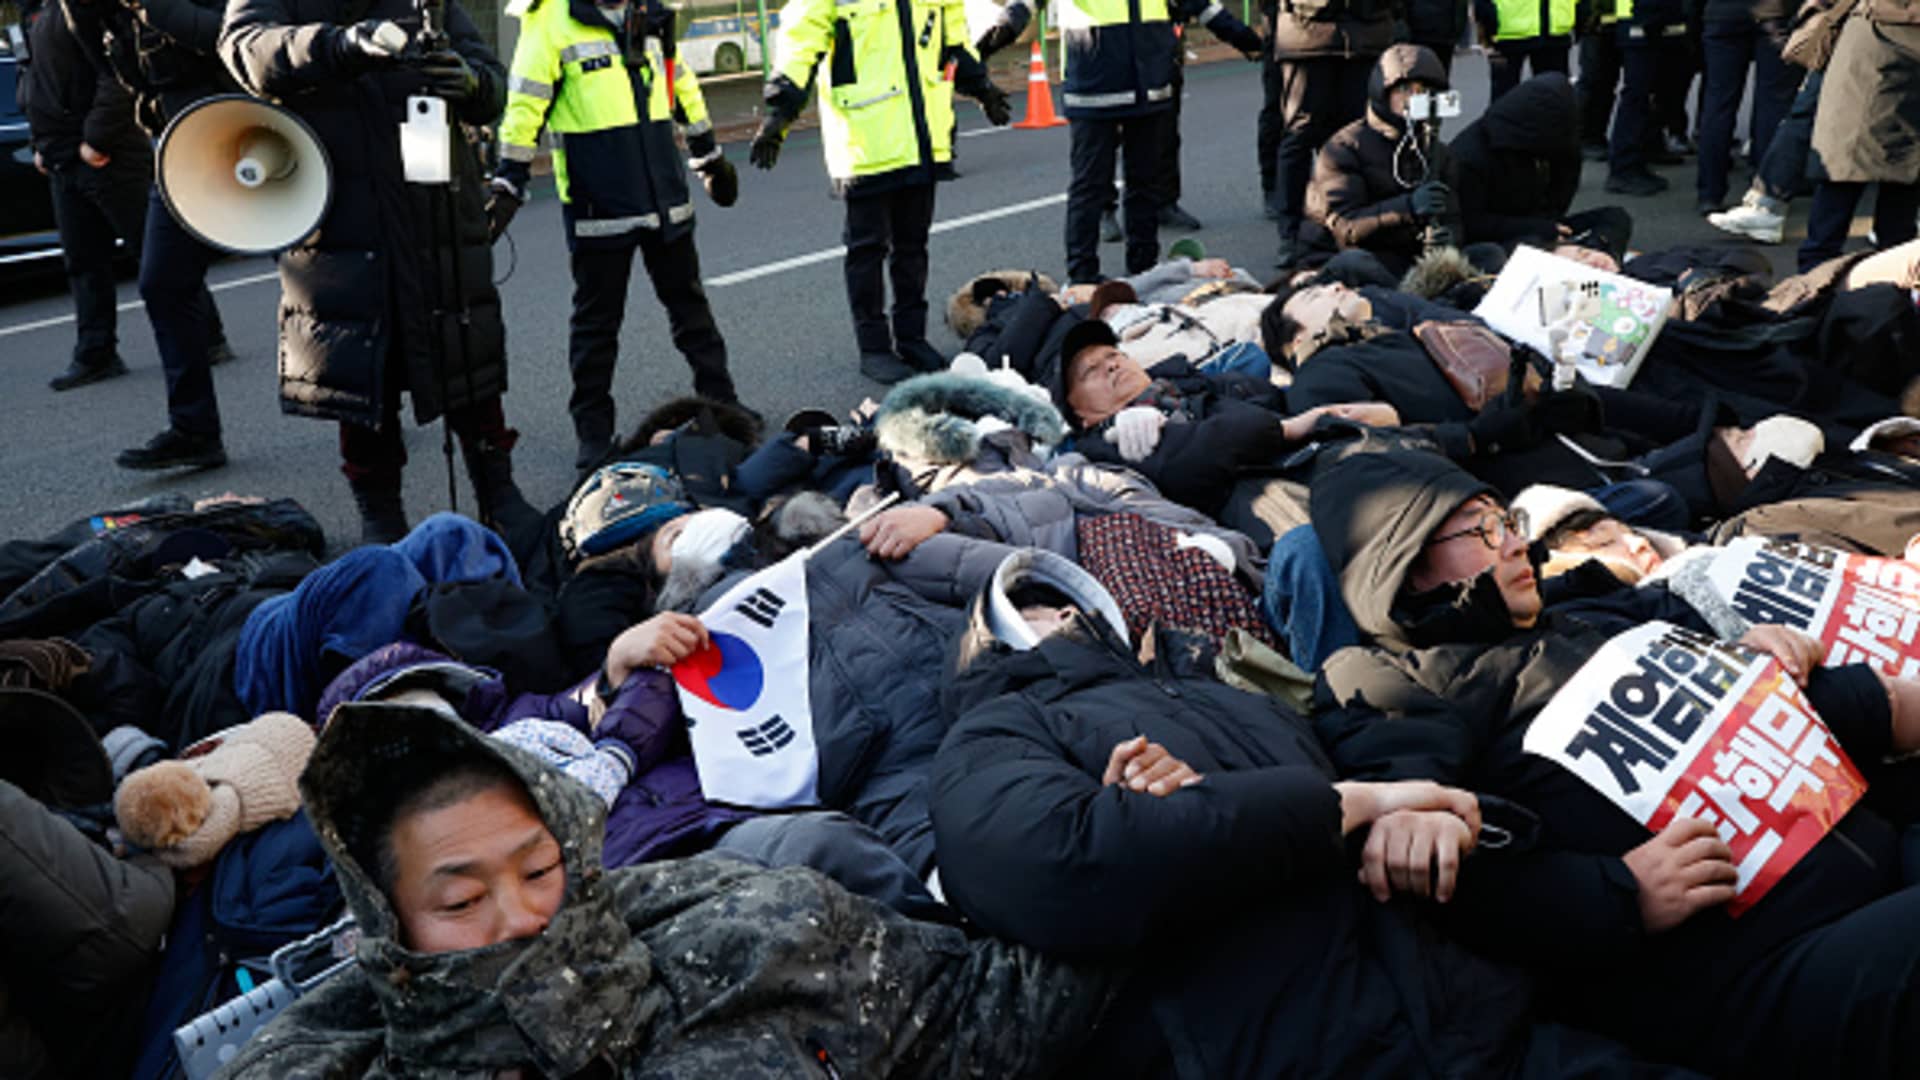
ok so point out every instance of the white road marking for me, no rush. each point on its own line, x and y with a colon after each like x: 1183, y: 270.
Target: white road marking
x: 223, y: 286
x: 828, y: 254
x: 737, y: 277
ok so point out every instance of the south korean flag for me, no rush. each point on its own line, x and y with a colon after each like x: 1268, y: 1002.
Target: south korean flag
x: 745, y: 696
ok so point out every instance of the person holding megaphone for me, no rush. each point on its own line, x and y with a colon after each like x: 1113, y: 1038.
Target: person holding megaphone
x: 393, y: 291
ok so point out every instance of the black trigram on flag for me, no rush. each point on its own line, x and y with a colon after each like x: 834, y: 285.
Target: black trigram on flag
x: 765, y: 738
x: 763, y: 607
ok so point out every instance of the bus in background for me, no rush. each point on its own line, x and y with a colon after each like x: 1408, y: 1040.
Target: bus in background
x: 724, y: 44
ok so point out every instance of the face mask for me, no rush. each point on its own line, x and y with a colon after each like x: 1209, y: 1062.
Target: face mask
x: 708, y: 536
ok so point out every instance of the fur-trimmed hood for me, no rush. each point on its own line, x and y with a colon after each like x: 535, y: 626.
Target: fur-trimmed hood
x: 1436, y: 272
x: 967, y: 308
x: 938, y: 418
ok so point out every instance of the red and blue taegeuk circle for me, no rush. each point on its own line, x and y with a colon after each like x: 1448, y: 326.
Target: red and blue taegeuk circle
x: 727, y: 674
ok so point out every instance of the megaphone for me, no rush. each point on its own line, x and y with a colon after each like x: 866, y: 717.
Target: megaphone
x: 244, y: 175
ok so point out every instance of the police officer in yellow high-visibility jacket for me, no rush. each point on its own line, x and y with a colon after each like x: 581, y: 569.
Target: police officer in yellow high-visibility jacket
x: 1523, y: 31
x: 603, y: 76
x: 1118, y: 92
x: 886, y: 124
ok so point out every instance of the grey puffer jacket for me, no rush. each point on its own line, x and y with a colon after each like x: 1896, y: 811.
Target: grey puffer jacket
x: 699, y: 967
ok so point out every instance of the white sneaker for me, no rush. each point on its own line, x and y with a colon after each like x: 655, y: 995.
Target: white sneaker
x: 1751, y: 220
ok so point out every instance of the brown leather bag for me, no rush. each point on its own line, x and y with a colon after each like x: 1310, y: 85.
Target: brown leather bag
x: 1475, y: 360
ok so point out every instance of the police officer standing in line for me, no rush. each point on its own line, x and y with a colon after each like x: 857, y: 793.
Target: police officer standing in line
x: 1519, y: 32
x: 1650, y: 33
x: 886, y: 126
x: 604, y: 76
x: 98, y: 166
x: 1118, y: 96
x: 163, y: 51
x: 1599, y: 47
x: 1322, y: 52
x: 394, y: 291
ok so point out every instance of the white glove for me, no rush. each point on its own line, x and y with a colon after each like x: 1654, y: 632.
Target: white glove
x: 708, y: 536
x: 1136, y: 430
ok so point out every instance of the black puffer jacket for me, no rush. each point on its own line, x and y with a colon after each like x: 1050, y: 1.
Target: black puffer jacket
x: 1519, y: 164
x: 1363, y: 179
x: 1223, y: 427
x: 1446, y: 690
x: 363, y: 298
x: 1254, y: 952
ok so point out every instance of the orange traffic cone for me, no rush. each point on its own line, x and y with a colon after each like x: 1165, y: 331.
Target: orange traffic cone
x: 1039, y: 95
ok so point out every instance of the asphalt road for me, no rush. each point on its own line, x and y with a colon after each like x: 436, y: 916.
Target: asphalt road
x: 773, y: 271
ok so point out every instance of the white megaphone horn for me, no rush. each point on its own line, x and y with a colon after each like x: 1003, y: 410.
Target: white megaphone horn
x: 244, y: 175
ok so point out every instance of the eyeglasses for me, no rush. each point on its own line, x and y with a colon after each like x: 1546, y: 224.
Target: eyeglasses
x: 1493, y: 529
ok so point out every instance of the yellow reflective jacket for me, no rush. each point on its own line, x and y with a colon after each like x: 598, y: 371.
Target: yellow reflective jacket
x: 1522, y: 19
x: 886, y: 109
x: 612, y: 95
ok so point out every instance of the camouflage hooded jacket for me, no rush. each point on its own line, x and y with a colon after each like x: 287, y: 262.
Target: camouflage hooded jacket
x: 702, y: 967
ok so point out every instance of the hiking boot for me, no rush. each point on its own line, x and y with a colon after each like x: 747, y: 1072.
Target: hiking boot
x: 1110, y: 228
x: 885, y: 367
x: 383, y: 515
x: 1175, y: 218
x: 1756, y: 218
x: 920, y: 356
x: 502, y: 507
x: 174, y: 449
x: 219, y: 353
x: 80, y: 374
x: 1640, y: 183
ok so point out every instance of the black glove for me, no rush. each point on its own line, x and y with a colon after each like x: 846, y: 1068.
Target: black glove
x: 448, y: 75
x: 1569, y: 412
x: 1245, y: 38
x: 1432, y: 199
x: 370, y: 45
x: 765, y: 151
x: 721, y: 179
x: 502, y: 203
x: 1002, y: 34
x: 993, y: 102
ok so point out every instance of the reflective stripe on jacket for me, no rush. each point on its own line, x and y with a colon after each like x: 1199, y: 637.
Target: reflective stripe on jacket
x: 612, y: 96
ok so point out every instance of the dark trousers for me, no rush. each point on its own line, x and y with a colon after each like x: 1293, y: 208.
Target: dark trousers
x: 1316, y: 97
x: 1599, y: 77
x: 1096, y: 143
x: 186, y: 322
x: 1782, y: 172
x: 1730, y: 47
x: 93, y: 207
x: 600, y: 277
x: 1505, y: 59
x: 1831, y: 216
x: 1170, y: 146
x: 378, y: 454
x: 886, y: 239
x: 1678, y: 63
x: 1634, y: 118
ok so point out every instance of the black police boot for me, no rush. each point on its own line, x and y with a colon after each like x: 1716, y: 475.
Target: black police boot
x: 383, y: 515
x: 219, y: 353
x: 81, y: 372
x: 502, y: 507
x: 1110, y: 231
x: 1173, y: 217
x: 175, y: 449
x: 1640, y: 182
x: 886, y: 367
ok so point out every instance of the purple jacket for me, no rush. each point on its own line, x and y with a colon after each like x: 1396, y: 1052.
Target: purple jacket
x: 660, y: 814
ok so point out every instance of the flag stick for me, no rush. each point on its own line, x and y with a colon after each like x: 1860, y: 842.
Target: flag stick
x: 851, y: 525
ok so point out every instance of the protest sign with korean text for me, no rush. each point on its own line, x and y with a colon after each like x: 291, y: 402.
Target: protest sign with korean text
x: 1667, y: 723
x: 746, y: 698
x: 1865, y: 610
